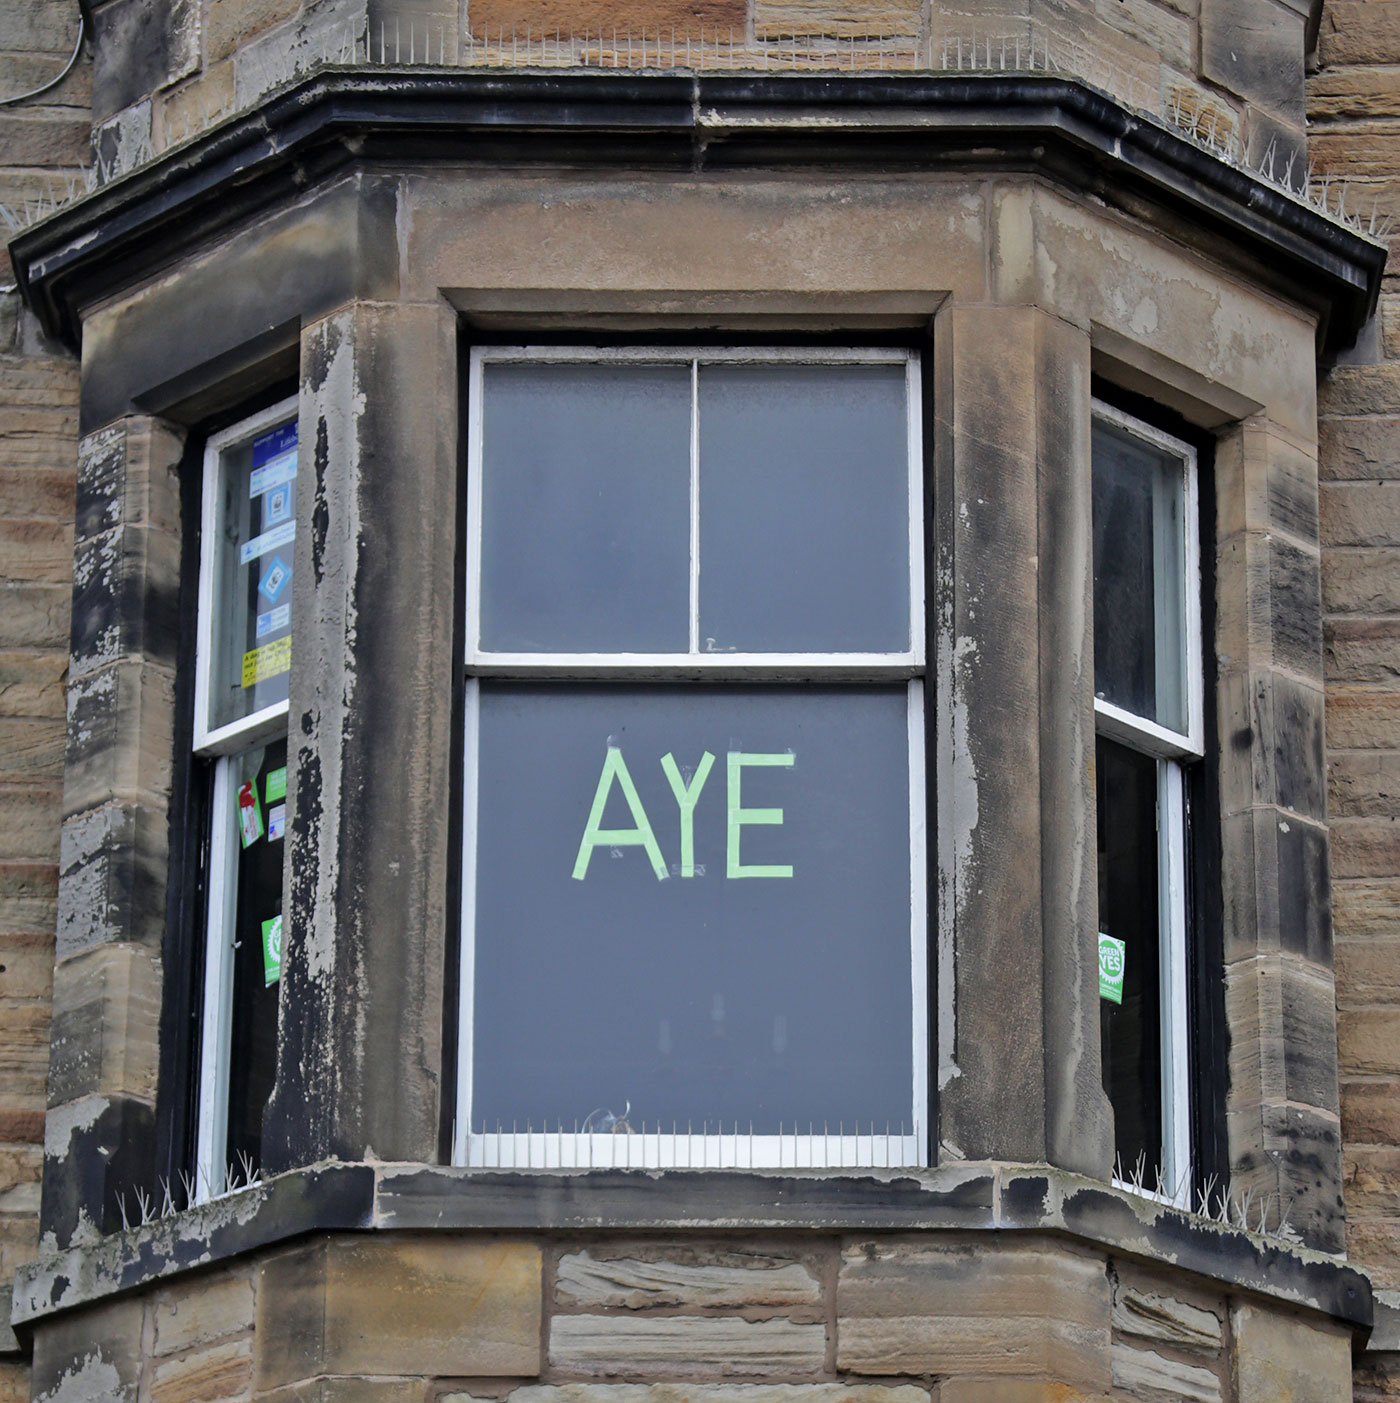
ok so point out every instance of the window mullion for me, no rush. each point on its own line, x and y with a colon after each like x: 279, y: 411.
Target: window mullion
x: 216, y: 1022
x: 1171, y: 900
x: 466, y: 980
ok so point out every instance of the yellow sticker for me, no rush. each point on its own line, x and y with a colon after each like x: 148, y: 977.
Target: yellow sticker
x: 261, y: 663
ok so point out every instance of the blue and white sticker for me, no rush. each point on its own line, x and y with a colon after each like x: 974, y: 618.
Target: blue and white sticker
x: 274, y: 619
x: 275, y: 581
x: 269, y: 540
x: 274, y: 474
x: 276, y: 822
x: 277, y: 505
x: 274, y: 459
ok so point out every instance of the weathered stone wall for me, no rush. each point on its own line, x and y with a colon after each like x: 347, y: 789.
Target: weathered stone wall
x: 1231, y: 69
x: 618, y: 1319
x: 1354, y: 106
x: 38, y: 453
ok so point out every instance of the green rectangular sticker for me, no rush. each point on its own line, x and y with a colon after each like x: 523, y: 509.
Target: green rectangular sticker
x: 272, y: 950
x: 1113, y: 960
x: 275, y: 787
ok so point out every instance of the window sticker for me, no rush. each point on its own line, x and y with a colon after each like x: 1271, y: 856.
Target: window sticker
x: 276, y: 822
x: 274, y: 619
x: 277, y: 473
x: 272, y: 950
x: 686, y: 788
x: 269, y: 540
x: 274, y: 459
x: 250, y: 823
x: 275, y: 786
x: 275, y: 580
x: 1113, y: 962
x: 277, y: 505
x: 261, y: 663
x: 280, y: 471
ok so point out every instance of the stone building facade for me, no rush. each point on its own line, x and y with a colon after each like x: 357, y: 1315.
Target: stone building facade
x: 1068, y: 236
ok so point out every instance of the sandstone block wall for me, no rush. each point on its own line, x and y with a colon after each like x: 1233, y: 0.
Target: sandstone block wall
x: 1230, y: 69
x: 404, y: 1318
x: 38, y: 456
x: 1354, y: 108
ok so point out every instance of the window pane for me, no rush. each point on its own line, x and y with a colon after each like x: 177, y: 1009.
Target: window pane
x: 259, y: 797
x: 1139, y: 577
x: 585, y: 506
x: 804, y: 508
x: 738, y: 993
x: 1132, y: 1030
x: 255, y: 530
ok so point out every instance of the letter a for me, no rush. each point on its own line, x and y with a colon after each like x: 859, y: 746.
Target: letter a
x: 641, y: 836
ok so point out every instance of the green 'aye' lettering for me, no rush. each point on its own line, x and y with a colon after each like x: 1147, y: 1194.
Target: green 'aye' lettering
x: 641, y: 835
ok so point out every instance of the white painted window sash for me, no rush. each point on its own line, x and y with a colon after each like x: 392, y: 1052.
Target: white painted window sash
x: 846, y: 666
x: 224, y: 744
x: 216, y: 1021
x: 237, y: 735
x: 1116, y: 722
x: 1172, y: 956
x: 825, y: 1147
x: 1172, y: 749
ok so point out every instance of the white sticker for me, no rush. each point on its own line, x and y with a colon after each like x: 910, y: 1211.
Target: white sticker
x: 274, y: 619
x: 276, y: 822
x: 269, y: 540
x: 274, y: 473
x: 277, y: 505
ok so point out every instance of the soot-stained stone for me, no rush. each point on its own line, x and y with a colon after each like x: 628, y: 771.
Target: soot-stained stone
x: 1304, y: 900
x: 242, y: 300
x: 1255, y: 48
x: 92, y: 1354
x: 1295, y: 608
x: 126, y: 597
x: 95, y: 1151
x: 1300, y: 772
x: 112, y: 877
x: 141, y: 46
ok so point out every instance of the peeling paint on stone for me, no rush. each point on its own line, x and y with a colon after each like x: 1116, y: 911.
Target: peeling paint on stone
x: 95, y: 1381
x: 63, y: 1122
x: 86, y: 915
x: 958, y: 817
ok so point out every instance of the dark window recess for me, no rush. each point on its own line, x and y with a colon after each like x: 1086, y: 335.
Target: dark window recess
x: 1139, y: 578
x: 253, y: 1020
x: 605, y: 988
x: 1128, y: 911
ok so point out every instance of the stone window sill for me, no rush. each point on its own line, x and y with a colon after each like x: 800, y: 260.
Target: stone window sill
x: 959, y: 1198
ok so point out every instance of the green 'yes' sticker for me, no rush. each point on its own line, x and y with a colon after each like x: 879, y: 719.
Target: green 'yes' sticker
x: 275, y: 786
x: 1113, y: 959
x: 272, y: 950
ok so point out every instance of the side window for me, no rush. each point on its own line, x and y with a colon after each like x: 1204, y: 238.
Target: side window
x: 1148, y: 706
x: 694, y: 928
x: 243, y: 666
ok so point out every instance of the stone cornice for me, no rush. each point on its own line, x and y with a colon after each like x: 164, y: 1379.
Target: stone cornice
x: 125, y: 230
x: 961, y: 1198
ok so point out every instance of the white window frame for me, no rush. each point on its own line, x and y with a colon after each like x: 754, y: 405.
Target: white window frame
x: 223, y: 744
x: 1173, y: 750
x: 677, y: 1146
